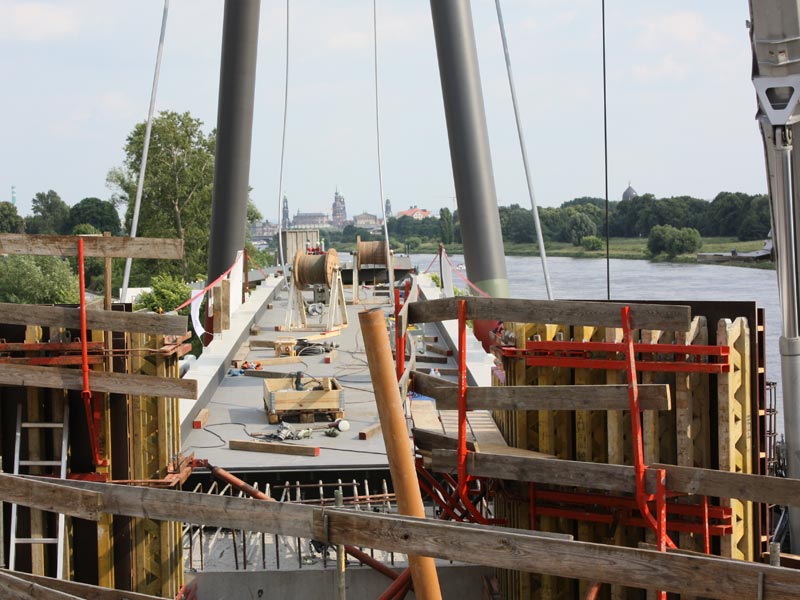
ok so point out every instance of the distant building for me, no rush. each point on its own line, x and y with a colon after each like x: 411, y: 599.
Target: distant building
x: 309, y: 220
x: 338, y: 211
x: 388, y: 208
x: 366, y: 221
x: 285, y: 219
x: 263, y: 230
x: 415, y: 213
x: 629, y: 193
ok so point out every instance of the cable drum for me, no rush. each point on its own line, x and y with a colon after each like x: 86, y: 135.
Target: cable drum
x: 315, y: 269
x: 370, y: 253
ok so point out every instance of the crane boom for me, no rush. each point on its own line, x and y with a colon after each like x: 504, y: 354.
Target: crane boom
x: 775, y: 38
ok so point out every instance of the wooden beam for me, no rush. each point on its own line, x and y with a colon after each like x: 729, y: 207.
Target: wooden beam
x: 620, y: 478
x: 425, y: 439
x: 727, y: 484
x: 425, y: 384
x: 14, y: 588
x: 105, y: 247
x: 105, y: 320
x: 201, y: 418
x: 369, y: 431
x: 273, y: 447
x: 112, y: 383
x: 80, y: 590
x: 553, y: 397
x: 705, y: 576
x: 599, y: 476
x: 598, y: 314
x: 51, y: 497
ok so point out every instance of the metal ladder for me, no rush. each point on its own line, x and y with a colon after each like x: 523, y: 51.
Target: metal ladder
x: 61, y: 463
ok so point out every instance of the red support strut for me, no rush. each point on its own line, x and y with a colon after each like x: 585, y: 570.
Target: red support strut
x: 92, y: 418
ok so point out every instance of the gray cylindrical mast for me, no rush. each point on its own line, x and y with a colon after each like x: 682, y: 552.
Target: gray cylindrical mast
x: 469, y: 145
x: 237, y: 84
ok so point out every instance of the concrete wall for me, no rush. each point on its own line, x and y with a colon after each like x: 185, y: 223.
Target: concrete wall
x: 457, y: 581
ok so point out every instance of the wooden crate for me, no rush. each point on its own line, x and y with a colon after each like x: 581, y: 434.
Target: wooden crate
x: 281, y: 398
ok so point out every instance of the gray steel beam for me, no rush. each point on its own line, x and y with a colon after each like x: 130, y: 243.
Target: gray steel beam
x: 775, y: 38
x: 484, y: 256
x: 237, y: 84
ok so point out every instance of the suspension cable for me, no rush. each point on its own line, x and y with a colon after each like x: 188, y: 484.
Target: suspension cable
x: 523, y: 150
x: 389, y: 269
x: 146, y: 146
x: 605, y: 154
x: 283, y: 147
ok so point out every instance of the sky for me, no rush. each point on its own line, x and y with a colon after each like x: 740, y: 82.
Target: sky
x: 77, y: 76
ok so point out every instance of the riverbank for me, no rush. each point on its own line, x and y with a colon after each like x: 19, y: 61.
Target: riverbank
x: 622, y: 248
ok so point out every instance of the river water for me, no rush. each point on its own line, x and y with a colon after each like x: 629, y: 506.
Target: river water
x: 585, y: 279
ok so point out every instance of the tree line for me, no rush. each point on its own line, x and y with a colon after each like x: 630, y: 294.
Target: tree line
x: 729, y: 214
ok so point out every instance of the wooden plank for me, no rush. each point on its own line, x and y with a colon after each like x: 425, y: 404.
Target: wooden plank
x: 425, y: 384
x: 305, y: 401
x: 425, y: 439
x: 273, y: 447
x: 106, y: 320
x: 112, y: 383
x: 500, y: 547
x: 226, y: 304
x: 216, y: 306
x: 599, y: 314
x: 280, y: 360
x: 370, y: 431
x: 106, y: 247
x: 50, y: 497
x: 553, y: 397
x: 80, y: 590
x: 14, y: 588
x: 728, y: 484
x: 615, y: 478
x: 201, y: 419
x: 485, y: 430
x: 424, y: 416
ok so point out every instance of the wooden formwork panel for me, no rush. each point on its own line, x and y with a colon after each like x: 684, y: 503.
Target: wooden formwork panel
x: 682, y: 436
x: 154, y: 442
x: 735, y: 439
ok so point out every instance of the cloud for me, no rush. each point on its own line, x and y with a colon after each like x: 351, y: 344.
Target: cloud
x: 675, y: 46
x: 38, y: 21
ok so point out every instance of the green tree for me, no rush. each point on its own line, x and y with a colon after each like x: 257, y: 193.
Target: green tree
x: 176, y: 199
x: 592, y: 243
x: 755, y: 223
x: 37, y: 280
x: 100, y: 214
x: 578, y: 226
x: 446, y: 225
x: 167, y: 293
x: 672, y: 241
x: 10, y: 221
x: 50, y: 214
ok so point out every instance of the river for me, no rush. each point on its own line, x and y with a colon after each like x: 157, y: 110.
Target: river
x: 585, y: 278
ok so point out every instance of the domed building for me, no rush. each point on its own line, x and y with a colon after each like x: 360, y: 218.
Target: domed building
x: 630, y: 193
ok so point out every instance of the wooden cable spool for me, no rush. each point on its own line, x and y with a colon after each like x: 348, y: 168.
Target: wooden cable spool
x: 314, y: 269
x: 370, y: 253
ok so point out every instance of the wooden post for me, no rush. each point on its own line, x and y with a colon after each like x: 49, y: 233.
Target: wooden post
x: 398, y: 446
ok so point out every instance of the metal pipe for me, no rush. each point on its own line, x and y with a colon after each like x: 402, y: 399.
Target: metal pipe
x: 398, y: 446
x: 341, y: 557
x: 524, y: 151
x: 469, y: 146
x: 145, y: 147
x: 237, y: 483
x: 398, y: 585
x: 371, y: 562
x: 237, y: 84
